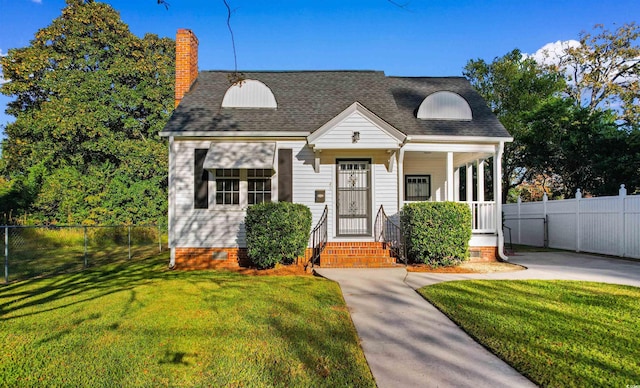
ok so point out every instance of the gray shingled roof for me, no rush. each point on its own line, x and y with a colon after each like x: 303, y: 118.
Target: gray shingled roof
x: 308, y: 99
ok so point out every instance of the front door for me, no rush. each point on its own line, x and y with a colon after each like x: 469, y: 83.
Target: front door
x: 354, y: 198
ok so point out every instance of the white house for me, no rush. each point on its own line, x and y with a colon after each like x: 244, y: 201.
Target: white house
x: 350, y: 141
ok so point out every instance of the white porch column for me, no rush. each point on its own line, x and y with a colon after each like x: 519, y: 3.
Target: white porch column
x: 400, y: 179
x: 449, y: 193
x: 497, y: 194
x: 456, y: 184
x: 469, y: 182
x: 481, y: 165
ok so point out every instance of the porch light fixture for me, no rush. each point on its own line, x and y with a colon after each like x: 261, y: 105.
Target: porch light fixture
x: 355, y: 137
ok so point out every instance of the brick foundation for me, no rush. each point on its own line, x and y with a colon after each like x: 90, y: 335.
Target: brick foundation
x: 483, y: 254
x: 335, y: 255
x: 210, y: 258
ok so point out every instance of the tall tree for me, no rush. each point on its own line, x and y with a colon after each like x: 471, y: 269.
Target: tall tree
x: 580, y: 148
x: 90, y: 99
x: 514, y: 85
x: 603, y: 71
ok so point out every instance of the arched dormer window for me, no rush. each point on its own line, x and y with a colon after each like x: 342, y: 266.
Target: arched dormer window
x: 249, y: 93
x: 444, y: 105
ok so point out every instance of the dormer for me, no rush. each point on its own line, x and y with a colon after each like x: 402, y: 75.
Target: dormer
x: 444, y: 105
x: 249, y: 94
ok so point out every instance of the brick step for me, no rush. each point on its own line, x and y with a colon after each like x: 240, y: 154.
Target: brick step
x: 361, y: 254
x: 363, y: 244
x: 357, y: 262
x: 356, y: 252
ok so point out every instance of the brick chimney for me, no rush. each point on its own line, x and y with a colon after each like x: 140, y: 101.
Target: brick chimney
x: 186, y: 62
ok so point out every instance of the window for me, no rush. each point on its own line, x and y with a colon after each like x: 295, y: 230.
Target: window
x: 445, y: 105
x: 417, y: 187
x: 259, y: 185
x: 228, y: 186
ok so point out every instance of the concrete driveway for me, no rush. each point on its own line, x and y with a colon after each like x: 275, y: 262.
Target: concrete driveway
x: 409, y: 343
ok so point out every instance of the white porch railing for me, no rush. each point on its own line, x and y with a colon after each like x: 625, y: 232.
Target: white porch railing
x: 483, y: 216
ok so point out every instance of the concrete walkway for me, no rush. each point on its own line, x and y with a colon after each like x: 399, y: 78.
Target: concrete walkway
x: 409, y: 343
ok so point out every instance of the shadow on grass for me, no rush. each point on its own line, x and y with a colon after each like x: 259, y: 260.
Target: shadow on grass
x: 95, y: 282
x: 557, y: 333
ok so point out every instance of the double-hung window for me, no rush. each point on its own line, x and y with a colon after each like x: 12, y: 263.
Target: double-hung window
x: 228, y: 186
x: 259, y: 186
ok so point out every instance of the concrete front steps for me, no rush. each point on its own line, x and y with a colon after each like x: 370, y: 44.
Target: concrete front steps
x: 365, y: 254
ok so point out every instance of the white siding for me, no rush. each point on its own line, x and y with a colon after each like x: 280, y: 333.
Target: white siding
x: 385, y: 188
x: 371, y: 136
x: 306, y: 181
x: 434, y: 164
x: 216, y: 226
x: 222, y: 226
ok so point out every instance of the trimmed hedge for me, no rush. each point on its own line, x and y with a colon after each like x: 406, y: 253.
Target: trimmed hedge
x: 277, y: 232
x: 436, y: 233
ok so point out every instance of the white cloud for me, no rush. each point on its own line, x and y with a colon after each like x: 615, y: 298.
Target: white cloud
x: 37, y: 1
x: 551, y: 53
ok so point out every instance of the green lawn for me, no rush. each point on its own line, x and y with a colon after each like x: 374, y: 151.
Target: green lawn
x: 135, y: 323
x: 46, y: 251
x: 557, y: 333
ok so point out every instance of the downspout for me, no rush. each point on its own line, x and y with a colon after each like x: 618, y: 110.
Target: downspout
x: 172, y: 201
x: 497, y: 193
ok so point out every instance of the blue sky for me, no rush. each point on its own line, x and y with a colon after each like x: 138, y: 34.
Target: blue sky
x: 426, y: 38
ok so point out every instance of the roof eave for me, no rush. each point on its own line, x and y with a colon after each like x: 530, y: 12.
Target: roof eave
x: 458, y: 139
x: 233, y: 134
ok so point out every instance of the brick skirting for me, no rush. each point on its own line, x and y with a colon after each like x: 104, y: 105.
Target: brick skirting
x: 210, y: 258
x: 483, y: 254
x: 336, y: 254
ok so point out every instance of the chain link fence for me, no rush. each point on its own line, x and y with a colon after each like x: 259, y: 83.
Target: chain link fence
x: 30, y: 251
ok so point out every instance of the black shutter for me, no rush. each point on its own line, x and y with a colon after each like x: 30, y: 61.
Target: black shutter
x: 285, y: 175
x: 200, y: 181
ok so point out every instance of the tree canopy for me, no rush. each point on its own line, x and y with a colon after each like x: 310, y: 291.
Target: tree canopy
x: 514, y: 86
x: 603, y: 71
x: 90, y: 99
x: 574, y: 122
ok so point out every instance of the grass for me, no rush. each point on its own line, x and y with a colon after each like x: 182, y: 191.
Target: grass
x: 45, y: 251
x: 135, y: 323
x: 557, y: 333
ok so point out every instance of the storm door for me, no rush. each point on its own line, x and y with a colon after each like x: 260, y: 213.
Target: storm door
x: 354, y: 198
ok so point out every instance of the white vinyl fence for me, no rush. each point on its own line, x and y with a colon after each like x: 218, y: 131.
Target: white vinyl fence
x: 605, y: 225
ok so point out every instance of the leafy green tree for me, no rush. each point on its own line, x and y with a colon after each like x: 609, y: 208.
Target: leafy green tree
x: 514, y: 85
x: 603, y: 71
x: 90, y: 99
x: 584, y: 148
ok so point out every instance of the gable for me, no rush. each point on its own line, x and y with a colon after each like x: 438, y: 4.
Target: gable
x: 356, y: 128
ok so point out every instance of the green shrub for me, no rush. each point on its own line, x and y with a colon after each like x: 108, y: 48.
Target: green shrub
x: 277, y: 232
x: 436, y: 233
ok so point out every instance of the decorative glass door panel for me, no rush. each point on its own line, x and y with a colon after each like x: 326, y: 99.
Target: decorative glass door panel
x: 354, y: 198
